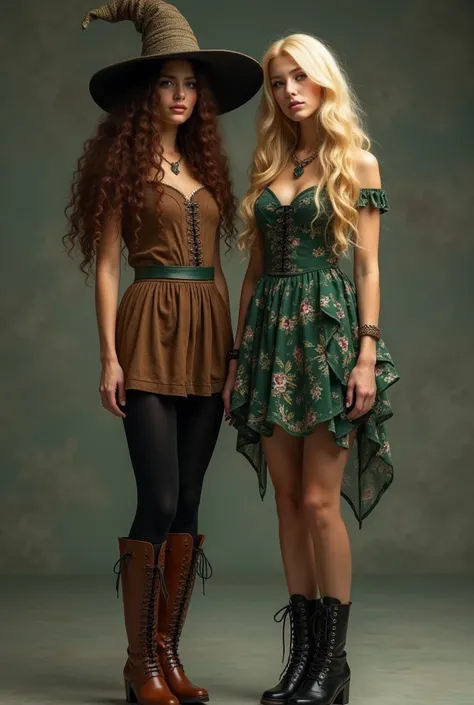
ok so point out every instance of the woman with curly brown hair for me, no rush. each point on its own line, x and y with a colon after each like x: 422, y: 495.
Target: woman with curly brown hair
x: 155, y: 177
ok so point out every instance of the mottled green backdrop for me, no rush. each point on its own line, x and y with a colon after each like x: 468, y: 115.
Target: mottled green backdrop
x: 66, y: 488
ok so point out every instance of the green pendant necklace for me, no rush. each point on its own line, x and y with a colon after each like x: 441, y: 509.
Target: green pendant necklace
x: 173, y: 165
x: 301, y: 164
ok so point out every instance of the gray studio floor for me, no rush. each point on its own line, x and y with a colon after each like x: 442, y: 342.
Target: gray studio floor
x: 411, y: 642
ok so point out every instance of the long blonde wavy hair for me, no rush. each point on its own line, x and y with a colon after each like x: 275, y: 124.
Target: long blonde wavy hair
x: 338, y: 121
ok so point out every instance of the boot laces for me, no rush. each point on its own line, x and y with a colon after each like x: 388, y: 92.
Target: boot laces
x: 118, y: 569
x: 120, y: 566
x: 154, y: 574
x: 296, y: 648
x: 203, y: 567
x: 324, y: 629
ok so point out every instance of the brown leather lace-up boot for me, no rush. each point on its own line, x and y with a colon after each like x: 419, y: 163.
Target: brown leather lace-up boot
x: 140, y: 567
x: 181, y: 567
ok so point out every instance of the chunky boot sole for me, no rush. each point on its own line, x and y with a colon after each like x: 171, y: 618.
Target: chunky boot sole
x: 265, y: 701
x: 342, y: 698
x: 193, y: 701
x: 130, y: 696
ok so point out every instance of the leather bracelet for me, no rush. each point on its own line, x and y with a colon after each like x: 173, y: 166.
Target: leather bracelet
x: 370, y: 331
x: 233, y: 354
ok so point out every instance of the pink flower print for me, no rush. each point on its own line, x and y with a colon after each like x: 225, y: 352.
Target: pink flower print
x: 384, y: 449
x: 325, y: 300
x: 298, y: 354
x: 310, y: 419
x: 295, y: 242
x: 279, y: 383
x: 319, y: 252
x: 316, y: 392
x: 248, y: 334
x: 343, y: 343
x: 305, y: 308
x: 238, y: 385
x: 339, y: 310
x: 378, y: 370
x: 285, y: 323
x: 369, y: 494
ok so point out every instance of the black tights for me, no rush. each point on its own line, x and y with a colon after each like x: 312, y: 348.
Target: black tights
x: 171, y: 441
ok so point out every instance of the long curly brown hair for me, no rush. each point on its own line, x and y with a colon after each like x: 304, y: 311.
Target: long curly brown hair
x: 117, y: 162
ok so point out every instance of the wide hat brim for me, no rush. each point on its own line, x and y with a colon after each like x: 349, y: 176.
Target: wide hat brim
x: 234, y: 78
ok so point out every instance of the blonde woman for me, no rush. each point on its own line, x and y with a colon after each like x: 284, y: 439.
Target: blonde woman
x: 307, y: 382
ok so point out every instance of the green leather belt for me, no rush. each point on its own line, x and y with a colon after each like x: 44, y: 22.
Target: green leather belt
x: 165, y: 272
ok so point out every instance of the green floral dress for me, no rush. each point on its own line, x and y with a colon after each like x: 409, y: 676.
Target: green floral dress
x: 300, y: 344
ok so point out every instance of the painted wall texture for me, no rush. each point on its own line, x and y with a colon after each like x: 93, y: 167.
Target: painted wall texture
x: 66, y: 489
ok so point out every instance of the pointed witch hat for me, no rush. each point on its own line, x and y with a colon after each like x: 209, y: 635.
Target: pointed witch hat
x: 233, y: 77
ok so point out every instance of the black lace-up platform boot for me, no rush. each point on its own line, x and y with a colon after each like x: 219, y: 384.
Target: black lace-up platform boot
x: 301, y: 613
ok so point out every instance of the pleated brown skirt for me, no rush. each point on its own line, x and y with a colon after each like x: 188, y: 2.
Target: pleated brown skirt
x: 172, y: 337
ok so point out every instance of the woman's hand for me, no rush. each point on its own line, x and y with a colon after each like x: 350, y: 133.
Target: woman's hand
x: 228, y: 389
x: 361, y: 389
x: 112, y: 387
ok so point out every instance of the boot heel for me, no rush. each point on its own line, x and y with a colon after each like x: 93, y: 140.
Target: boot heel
x: 130, y: 696
x: 343, y: 697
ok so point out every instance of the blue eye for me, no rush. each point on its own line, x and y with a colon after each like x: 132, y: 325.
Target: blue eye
x: 277, y: 84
